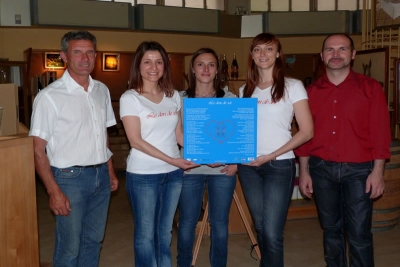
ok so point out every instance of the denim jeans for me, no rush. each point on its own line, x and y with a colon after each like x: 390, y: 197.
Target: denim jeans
x: 268, y: 192
x: 344, y: 209
x: 220, y: 192
x: 79, y: 235
x: 153, y: 198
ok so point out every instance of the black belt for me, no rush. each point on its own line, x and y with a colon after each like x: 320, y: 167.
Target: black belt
x: 89, y: 166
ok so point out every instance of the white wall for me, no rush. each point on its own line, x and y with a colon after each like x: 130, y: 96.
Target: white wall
x: 10, y: 8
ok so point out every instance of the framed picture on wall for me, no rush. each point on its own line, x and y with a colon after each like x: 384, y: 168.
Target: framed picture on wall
x: 110, y: 62
x: 52, y: 60
x: 374, y: 63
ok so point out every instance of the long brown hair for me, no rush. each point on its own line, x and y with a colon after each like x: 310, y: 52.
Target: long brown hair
x: 278, y: 75
x: 136, y: 80
x: 191, y: 91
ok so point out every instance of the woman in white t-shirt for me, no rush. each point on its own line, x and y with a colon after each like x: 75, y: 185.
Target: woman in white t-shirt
x: 151, y: 116
x: 268, y: 181
x: 220, y: 180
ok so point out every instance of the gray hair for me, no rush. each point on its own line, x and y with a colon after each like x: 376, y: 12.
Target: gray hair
x: 76, y: 35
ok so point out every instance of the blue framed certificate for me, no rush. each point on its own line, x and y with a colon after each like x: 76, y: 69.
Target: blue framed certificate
x: 220, y: 130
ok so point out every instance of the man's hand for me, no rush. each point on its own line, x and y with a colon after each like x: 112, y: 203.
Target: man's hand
x: 375, y: 183
x: 113, y: 182
x: 305, y: 184
x: 59, y: 203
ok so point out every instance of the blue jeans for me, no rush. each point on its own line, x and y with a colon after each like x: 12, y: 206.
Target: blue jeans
x: 153, y: 198
x: 344, y: 209
x: 268, y: 191
x: 220, y: 192
x: 79, y: 235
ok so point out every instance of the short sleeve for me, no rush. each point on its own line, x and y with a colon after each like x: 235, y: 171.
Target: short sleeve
x: 241, y: 91
x: 129, y: 105
x: 110, y: 112
x: 178, y: 100
x: 44, y: 117
x: 296, y: 90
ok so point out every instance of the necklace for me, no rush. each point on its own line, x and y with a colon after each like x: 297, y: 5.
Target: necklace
x: 212, y: 94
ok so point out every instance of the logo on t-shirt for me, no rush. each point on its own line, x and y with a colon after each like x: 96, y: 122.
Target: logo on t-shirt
x: 160, y: 114
x: 265, y: 102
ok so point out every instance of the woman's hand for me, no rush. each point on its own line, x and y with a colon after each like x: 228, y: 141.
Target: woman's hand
x: 229, y: 169
x: 183, y: 164
x: 261, y: 160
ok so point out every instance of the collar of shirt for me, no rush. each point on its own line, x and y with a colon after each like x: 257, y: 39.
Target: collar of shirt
x: 325, y: 80
x: 72, y: 85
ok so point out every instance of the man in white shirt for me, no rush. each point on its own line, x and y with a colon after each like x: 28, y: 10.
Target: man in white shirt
x: 72, y: 157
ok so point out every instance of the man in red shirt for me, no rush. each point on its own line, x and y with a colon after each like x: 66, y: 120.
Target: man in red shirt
x: 343, y: 164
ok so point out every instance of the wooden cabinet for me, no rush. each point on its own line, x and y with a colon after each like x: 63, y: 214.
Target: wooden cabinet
x: 19, y: 244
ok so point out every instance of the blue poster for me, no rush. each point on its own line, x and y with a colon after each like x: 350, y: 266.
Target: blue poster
x: 220, y: 130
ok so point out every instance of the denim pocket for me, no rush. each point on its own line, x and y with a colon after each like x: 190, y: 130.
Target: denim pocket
x: 315, y: 162
x: 66, y: 173
x: 283, y: 164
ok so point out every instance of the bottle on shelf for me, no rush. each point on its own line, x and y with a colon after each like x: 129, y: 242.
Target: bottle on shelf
x: 50, y: 79
x: 234, y: 68
x: 39, y: 84
x: 224, y: 69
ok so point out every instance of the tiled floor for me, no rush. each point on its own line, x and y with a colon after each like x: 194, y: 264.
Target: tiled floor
x: 303, y: 240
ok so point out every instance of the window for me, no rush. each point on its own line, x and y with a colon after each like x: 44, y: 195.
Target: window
x: 194, y: 3
x: 279, y: 5
x: 259, y: 5
x: 209, y: 4
x: 301, y: 5
x: 173, y: 3
x: 347, y: 4
x: 147, y: 2
x: 323, y: 5
x: 263, y: 5
x: 215, y: 4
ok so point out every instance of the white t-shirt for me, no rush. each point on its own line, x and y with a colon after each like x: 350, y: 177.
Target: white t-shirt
x: 274, y: 119
x: 158, y: 124
x: 204, y: 169
x: 73, y: 122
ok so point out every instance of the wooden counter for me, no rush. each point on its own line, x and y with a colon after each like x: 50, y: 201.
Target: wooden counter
x: 19, y: 244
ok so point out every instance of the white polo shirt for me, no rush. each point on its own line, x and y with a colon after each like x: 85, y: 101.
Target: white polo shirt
x: 73, y: 122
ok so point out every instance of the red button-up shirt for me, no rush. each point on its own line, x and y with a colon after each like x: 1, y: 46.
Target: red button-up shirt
x: 351, y: 120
